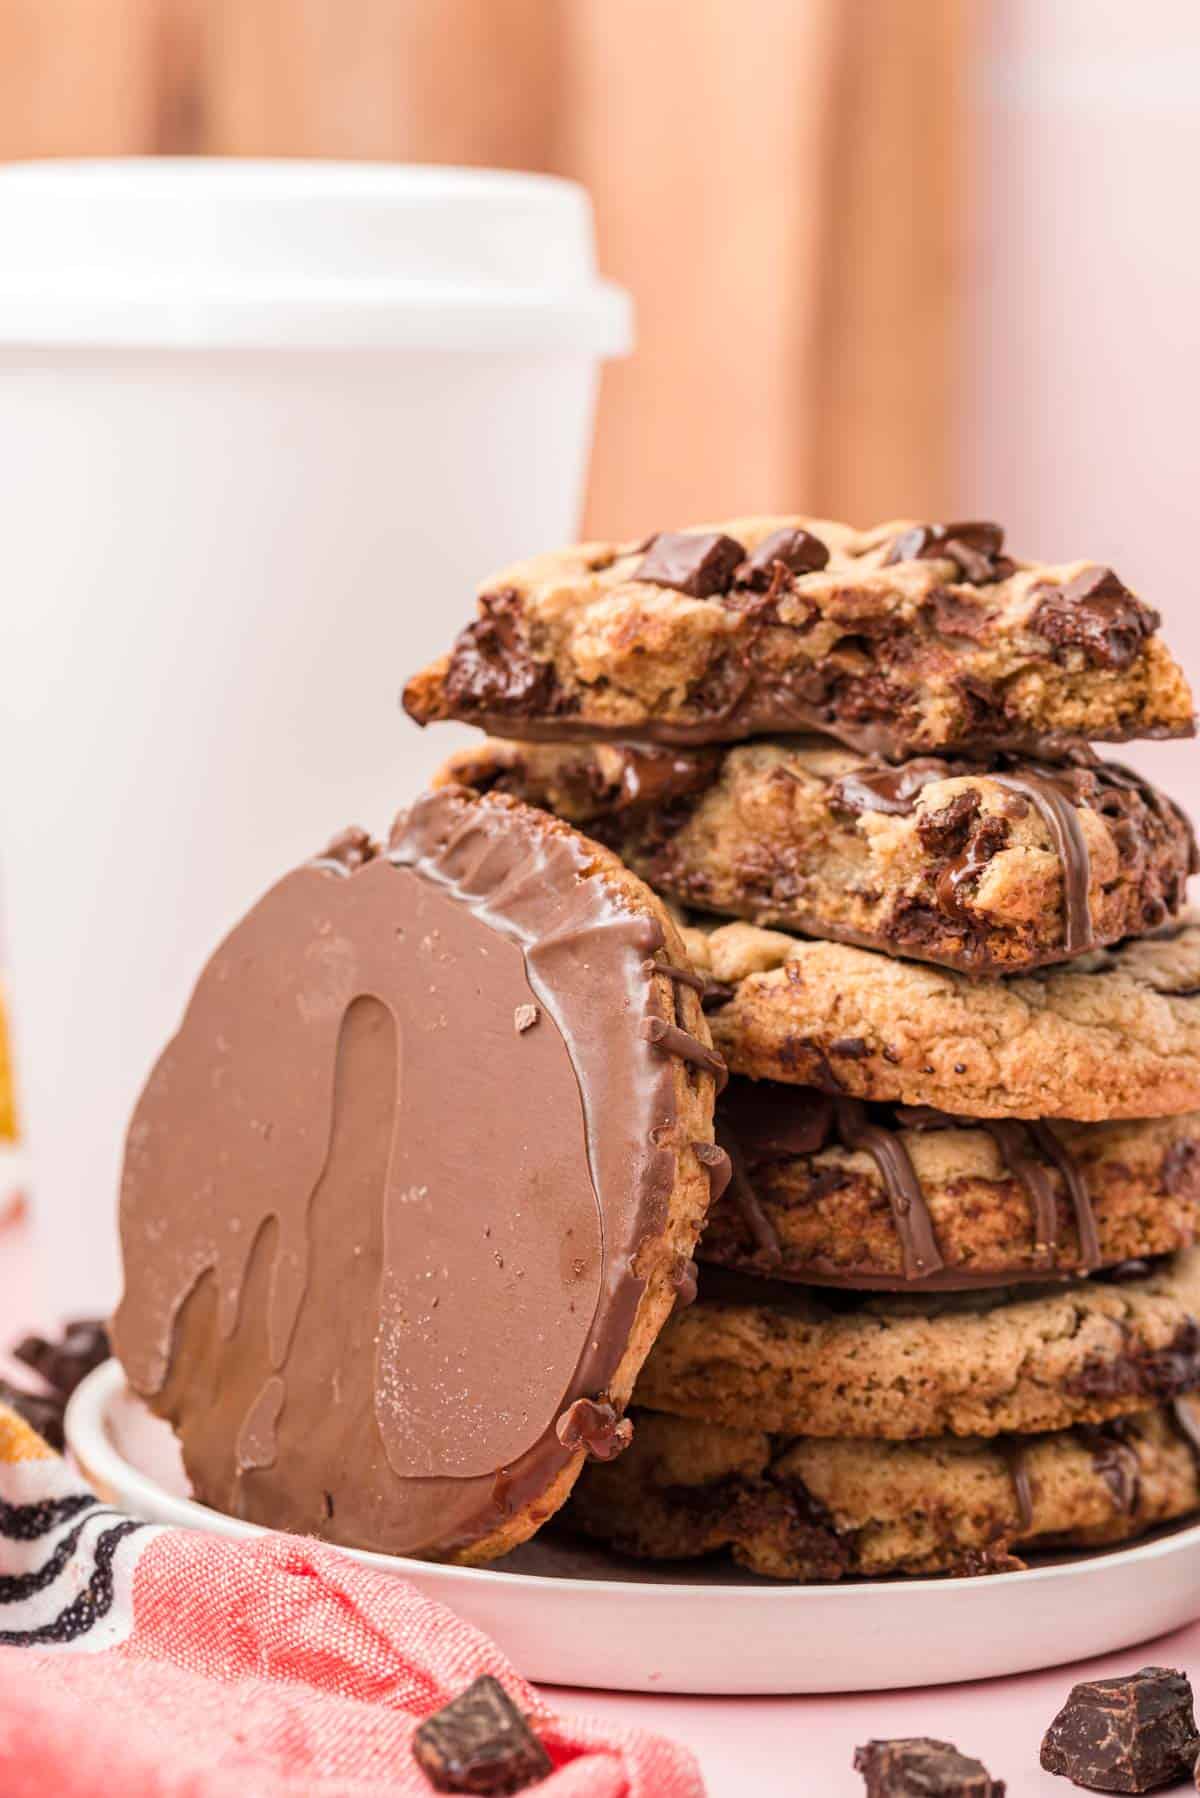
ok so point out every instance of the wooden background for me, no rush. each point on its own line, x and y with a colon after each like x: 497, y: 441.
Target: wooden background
x: 779, y: 182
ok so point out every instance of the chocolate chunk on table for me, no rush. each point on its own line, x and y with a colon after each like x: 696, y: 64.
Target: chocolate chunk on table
x: 919, y: 1767
x: 1129, y: 1734
x: 480, y: 1742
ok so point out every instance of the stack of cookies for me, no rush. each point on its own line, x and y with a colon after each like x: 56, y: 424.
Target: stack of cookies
x: 948, y: 1302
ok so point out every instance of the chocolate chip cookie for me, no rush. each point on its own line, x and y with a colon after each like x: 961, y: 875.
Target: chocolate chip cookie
x: 409, y: 1195
x: 903, y: 640
x: 842, y: 1193
x: 988, y: 870
x: 1115, y: 1034
x: 810, y: 1509
x: 796, y: 1361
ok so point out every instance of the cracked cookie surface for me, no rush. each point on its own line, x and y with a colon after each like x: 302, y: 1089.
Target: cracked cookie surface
x: 903, y: 639
x: 991, y: 871
x: 1115, y: 1034
x: 901, y: 1366
x: 815, y: 1510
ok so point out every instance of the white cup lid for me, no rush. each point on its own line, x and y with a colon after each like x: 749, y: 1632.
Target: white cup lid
x: 194, y: 252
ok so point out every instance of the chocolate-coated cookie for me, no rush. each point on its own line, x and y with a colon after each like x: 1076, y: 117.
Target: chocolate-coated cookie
x: 410, y: 1194
x: 903, y: 639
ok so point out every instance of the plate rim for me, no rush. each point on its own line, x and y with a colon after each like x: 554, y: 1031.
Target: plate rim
x: 86, y: 1430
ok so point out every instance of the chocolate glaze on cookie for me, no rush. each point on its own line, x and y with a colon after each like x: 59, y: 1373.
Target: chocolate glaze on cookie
x: 377, y: 1243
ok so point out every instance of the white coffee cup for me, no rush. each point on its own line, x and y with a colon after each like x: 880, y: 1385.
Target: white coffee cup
x: 263, y: 426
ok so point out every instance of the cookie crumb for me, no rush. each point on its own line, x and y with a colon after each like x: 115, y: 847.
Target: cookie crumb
x: 525, y: 1017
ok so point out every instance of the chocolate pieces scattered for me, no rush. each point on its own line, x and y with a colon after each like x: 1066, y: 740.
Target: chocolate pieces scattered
x: 919, y: 1767
x: 480, y: 1742
x: 1129, y: 1734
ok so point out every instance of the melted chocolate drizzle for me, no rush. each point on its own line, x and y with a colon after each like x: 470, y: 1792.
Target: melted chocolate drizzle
x: 1061, y: 819
x: 681, y: 976
x: 914, y: 1225
x: 1029, y: 1148
x: 1013, y: 1451
x: 761, y: 1229
x: 674, y: 1041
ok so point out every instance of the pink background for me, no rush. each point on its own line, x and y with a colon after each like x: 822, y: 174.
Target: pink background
x: 1081, y: 389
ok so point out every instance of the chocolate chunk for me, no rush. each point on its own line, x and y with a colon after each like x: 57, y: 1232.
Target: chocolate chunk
x: 45, y: 1415
x: 1128, y: 1734
x: 491, y: 669
x: 480, y: 1742
x: 919, y: 1767
x: 946, y: 831
x: 63, y: 1364
x: 1098, y: 615
x: 799, y: 551
x: 891, y: 790
x: 772, y: 1121
x: 974, y: 547
x: 698, y: 563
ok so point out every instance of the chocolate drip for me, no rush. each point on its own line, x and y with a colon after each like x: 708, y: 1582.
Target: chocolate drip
x: 1061, y: 819
x: 1012, y: 1139
x: 594, y: 1425
x: 1013, y: 1451
x: 1055, y: 1150
x: 1012, y: 1136
x: 914, y: 1226
x: 720, y: 1168
x: 761, y: 1229
x: 674, y: 1041
x: 681, y: 976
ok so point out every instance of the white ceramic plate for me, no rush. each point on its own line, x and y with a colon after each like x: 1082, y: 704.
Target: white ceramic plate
x: 575, y: 1616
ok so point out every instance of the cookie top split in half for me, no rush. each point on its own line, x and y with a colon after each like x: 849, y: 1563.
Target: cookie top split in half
x: 409, y: 1195
x: 902, y: 640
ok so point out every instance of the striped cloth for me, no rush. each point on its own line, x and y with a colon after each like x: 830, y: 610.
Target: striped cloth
x: 139, y: 1662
